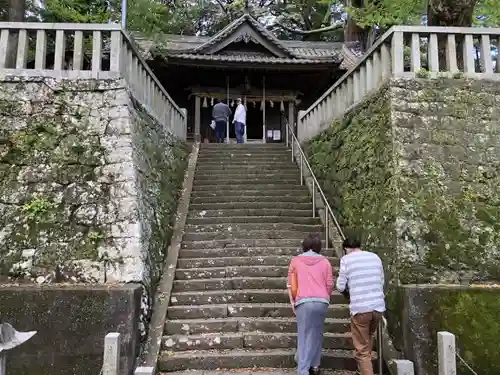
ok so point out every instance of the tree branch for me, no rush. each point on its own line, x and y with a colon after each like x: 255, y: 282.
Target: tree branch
x: 310, y: 32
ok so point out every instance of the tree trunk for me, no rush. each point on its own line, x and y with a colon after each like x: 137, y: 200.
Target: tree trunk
x: 16, y: 14
x: 353, y: 32
x: 450, y: 13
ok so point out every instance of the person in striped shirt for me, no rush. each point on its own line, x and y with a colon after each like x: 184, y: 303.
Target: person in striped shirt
x: 361, y: 273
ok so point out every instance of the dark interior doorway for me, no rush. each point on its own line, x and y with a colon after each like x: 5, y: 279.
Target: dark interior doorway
x: 254, y: 121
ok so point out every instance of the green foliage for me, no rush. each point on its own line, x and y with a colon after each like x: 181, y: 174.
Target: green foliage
x: 458, y: 229
x: 77, y: 11
x: 386, y: 13
x: 353, y: 161
x: 37, y: 208
x: 472, y: 315
x: 47, y: 175
x: 165, y: 160
x: 487, y: 13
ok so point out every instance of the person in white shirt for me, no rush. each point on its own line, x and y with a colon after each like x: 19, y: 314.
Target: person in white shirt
x: 239, y: 121
x: 361, y: 275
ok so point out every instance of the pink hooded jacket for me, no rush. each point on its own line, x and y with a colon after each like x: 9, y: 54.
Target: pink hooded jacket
x: 314, y: 277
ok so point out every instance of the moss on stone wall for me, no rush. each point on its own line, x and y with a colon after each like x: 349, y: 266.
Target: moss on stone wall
x: 353, y: 161
x: 472, y: 315
x: 89, y: 182
x: 48, y: 168
x: 162, y: 160
x: 415, y: 170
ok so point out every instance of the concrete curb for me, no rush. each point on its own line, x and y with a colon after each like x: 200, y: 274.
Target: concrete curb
x: 162, y: 297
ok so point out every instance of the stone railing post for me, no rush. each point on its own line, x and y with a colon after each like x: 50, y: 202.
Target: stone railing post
x: 447, y: 362
x: 301, y: 126
x: 183, y: 134
x: 145, y: 371
x: 111, y: 361
x: 404, y: 367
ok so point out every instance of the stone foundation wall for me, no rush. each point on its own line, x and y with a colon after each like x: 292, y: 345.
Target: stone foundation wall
x: 470, y: 313
x: 446, y: 140
x: 415, y: 170
x: 71, y: 322
x: 88, y: 182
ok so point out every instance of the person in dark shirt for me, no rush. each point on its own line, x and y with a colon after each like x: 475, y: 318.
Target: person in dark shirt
x: 221, y: 113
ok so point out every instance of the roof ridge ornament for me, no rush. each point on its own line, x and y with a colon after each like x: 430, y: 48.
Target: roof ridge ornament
x: 246, y: 9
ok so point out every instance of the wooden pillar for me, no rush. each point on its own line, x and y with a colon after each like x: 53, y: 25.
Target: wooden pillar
x: 197, y: 118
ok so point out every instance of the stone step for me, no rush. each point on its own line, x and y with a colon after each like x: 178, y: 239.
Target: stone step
x: 241, y: 197
x: 276, y: 358
x: 236, y: 151
x: 199, y: 326
x: 228, y: 157
x: 275, y: 174
x: 239, y: 296
x: 242, y: 256
x: 251, y: 205
x: 247, y: 310
x: 255, y: 371
x: 217, y: 260
x: 276, y: 194
x: 240, y: 242
x: 273, y: 163
x: 228, y: 235
x: 244, y: 161
x: 244, y: 149
x: 230, y: 271
x: 284, y: 213
x: 246, y: 146
x: 249, y: 340
x: 252, y: 226
x: 238, y: 271
x: 241, y: 179
x: 264, y: 187
x: 229, y: 283
x: 253, y: 219
x: 245, y: 168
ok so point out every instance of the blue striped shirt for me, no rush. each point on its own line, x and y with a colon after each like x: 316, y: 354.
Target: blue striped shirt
x: 363, y: 273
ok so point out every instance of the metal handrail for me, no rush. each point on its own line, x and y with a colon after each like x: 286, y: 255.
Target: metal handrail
x: 315, y: 184
x: 295, y: 144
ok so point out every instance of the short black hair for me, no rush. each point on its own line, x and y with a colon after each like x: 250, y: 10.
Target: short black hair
x: 312, y: 242
x: 351, y: 243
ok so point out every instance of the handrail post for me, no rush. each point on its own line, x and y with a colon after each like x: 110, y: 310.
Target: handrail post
x: 380, y: 348
x: 301, y: 170
x: 327, y: 225
x: 293, y: 143
x: 314, y: 197
x: 286, y: 133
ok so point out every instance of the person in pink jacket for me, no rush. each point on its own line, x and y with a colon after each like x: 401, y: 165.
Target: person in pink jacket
x: 314, y: 280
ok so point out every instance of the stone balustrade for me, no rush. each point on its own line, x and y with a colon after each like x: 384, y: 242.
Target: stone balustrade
x: 406, y: 52
x: 87, y: 51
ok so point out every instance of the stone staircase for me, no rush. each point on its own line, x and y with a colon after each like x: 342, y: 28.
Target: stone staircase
x: 229, y: 306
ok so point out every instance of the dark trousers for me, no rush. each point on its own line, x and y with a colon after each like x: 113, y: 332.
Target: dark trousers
x: 239, y: 129
x: 220, y: 131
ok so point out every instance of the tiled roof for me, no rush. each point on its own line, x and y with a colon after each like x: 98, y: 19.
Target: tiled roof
x: 252, y: 58
x: 231, y: 28
x: 290, y: 51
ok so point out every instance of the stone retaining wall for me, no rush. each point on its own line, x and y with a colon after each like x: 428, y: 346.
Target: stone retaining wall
x: 415, y: 170
x: 471, y: 313
x: 88, y: 182
x: 71, y: 322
